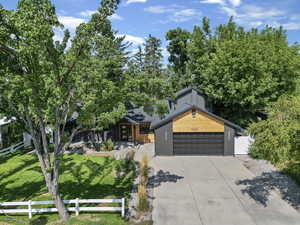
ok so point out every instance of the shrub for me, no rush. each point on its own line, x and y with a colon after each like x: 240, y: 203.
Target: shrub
x: 277, y: 139
x: 143, y: 204
x: 109, y: 145
x: 144, y: 170
x: 126, y: 165
x: 130, y: 155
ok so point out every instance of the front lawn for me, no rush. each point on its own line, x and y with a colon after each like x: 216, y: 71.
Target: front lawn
x: 82, y: 177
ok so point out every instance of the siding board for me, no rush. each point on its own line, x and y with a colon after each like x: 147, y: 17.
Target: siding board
x: 201, y: 122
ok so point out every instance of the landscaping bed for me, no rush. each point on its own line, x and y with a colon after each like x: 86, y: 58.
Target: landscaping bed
x: 83, y: 176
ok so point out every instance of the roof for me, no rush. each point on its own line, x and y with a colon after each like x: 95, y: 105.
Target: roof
x: 186, y: 108
x: 138, y: 115
x: 188, y: 89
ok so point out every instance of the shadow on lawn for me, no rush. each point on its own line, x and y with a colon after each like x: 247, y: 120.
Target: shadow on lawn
x: 86, y: 181
x: 40, y: 220
x: 25, y: 191
x: 260, y: 188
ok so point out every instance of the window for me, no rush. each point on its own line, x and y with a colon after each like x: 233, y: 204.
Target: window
x: 145, y: 129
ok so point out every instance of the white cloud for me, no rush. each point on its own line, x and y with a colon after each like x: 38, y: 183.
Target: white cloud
x: 70, y: 22
x: 184, y: 15
x: 115, y: 17
x: 291, y: 26
x: 221, y: 2
x: 255, y: 23
x: 261, y: 13
x: 135, y: 1
x: 134, y: 40
x: 235, y: 3
x: 229, y: 11
x: 159, y: 9
x: 176, y: 13
x: 87, y: 13
x: 254, y: 16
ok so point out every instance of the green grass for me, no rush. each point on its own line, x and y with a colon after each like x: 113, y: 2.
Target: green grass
x: 82, y: 177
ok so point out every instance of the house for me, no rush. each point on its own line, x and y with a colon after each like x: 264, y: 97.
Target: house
x: 190, y: 128
x: 11, y: 133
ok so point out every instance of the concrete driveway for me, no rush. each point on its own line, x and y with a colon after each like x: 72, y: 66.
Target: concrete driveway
x: 200, y: 190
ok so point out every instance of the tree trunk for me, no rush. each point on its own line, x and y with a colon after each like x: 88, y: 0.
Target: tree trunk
x: 61, y: 208
x: 51, y: 176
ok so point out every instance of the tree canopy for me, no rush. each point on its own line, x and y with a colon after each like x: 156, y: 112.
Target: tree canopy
x: 45, y: 83
x: 240, y: 71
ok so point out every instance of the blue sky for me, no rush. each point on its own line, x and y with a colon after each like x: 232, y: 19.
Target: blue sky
x: 138, y: 18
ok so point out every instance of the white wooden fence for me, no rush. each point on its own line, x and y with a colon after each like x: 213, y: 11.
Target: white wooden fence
x: 11, y: 149
x: 30, y: 210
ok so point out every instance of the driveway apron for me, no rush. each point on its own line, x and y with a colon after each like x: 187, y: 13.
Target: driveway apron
x: 205, y: 190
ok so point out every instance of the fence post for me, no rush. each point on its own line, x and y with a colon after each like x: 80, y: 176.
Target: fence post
x: 77, y: 207
x: 123, y: 207
x: 29, y: 210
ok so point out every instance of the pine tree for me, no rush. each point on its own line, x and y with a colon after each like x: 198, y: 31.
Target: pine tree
x: 153, y: 57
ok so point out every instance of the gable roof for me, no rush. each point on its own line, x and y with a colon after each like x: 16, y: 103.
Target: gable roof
x: 187, y: 90
x: 138, y: 115
x: 186, y: 108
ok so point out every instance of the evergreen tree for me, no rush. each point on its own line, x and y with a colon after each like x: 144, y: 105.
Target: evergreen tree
x: 153, y: 57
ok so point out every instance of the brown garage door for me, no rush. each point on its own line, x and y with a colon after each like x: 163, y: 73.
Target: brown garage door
x: 198, y: 143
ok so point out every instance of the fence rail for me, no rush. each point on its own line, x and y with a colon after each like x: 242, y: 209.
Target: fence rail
x: 11, y: 149
x: 76, y: 208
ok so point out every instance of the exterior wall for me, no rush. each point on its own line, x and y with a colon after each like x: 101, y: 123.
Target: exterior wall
x: 242, y: 145
x: 145, y: 138
x: 191, y: 98
x: 164, y: 140
x: 201, y: 122
x: 229, y: 134
x: 198, y: 99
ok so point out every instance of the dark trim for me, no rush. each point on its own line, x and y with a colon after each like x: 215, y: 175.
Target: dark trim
x: 229, y: 134
x: 164, y: 140
x: 186, y: 108
x: 130, y: 120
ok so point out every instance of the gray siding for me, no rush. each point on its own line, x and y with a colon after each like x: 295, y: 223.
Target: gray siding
x: 164, y: 140
x: 229, y: 134
x: 191, y: 98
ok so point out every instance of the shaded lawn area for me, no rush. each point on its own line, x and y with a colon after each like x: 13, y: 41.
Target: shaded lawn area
x: 82, y: 176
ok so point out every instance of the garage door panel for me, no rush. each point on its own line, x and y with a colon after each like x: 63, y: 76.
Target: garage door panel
x: 198, y: 143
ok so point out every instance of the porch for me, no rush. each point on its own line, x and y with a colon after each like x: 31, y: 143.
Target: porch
x: 133, y: 132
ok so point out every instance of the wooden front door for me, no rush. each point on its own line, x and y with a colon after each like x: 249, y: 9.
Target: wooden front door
x: 126, y: 132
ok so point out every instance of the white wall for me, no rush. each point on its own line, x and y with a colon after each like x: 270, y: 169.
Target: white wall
x: 26, y: 139
x: 242, y: 144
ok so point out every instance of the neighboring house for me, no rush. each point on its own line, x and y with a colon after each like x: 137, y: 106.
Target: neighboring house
x: 190, y: 128
x: 11, y: 134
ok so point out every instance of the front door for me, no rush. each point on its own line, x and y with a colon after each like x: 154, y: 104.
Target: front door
x: 125, y: 132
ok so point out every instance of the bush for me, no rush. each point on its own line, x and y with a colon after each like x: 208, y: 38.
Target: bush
x: 109, y: 145
x: 126, y: 165
x: 144, y: 171
x: 130, y: 155
x: 143, y: 204
x: 277, y: 138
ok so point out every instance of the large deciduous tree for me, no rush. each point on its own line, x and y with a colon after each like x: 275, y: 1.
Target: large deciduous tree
x: 242, y: 71
x: 43, y: 82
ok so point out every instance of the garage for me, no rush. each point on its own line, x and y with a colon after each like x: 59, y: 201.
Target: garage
x: 192, y: 130
x: 198, y: 143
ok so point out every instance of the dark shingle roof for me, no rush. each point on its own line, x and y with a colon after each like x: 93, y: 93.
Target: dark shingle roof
x: 185, y: 108
x: 188, y: 89
x: 138, y: 115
